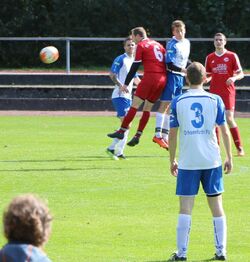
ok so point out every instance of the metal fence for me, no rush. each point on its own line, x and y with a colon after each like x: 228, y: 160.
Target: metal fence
x: 68, y: 41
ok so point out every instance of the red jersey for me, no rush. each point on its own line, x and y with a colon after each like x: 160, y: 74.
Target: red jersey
x: 152, y: 56
x: 221, y: 67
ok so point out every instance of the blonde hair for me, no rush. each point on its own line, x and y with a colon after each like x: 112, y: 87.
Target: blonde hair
x: 27, y: 219
x: 178, y: 23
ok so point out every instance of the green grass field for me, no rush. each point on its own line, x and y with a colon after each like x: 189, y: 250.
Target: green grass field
x: 106, y: 210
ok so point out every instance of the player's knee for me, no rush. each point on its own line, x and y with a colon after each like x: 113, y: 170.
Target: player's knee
x: 147, y: 106
x: 231, y: 122
x: 218, y: 212
x: 163, y: 107
x: 137, y: 101
x: 186, y: 210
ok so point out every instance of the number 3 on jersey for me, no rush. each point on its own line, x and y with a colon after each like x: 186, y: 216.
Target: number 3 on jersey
x: 199, y: 118
x: 158, y: 53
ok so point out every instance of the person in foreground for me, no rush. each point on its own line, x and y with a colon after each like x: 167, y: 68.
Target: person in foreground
x: 223, y: 69
x: 121, y: 100
x: 151, y: 54
x: 195, y: 114
x: 27, y: 226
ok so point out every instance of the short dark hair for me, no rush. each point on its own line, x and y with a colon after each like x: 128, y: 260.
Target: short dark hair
x: 27, y: 219
x: 139, y: 31
x: 196, y: 73
x: 220, y: 34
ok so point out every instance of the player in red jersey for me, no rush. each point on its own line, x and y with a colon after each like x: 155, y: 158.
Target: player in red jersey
x: 223, y: 69
x: 152, y: 55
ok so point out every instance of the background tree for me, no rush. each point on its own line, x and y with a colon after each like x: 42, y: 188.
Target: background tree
x: 114, y: 18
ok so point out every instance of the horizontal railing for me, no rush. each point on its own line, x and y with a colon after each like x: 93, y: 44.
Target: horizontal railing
x: 68, y: 40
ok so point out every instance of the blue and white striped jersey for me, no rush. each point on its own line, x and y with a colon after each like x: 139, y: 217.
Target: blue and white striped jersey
x: 178, y: 52
x: 121, y: 67
x: 196, y: 113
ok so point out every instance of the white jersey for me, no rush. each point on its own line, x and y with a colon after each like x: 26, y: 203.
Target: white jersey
x: 196, y: 113
x: 121, y: 67
x: 178, y: 52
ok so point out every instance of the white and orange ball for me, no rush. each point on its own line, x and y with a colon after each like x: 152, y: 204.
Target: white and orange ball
x: 49, y: 54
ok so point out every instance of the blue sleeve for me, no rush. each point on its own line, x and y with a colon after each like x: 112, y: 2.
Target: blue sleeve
x: 171, y: 52
x: 221, y: 117
x: 173, y: 114
x: 117, y: 64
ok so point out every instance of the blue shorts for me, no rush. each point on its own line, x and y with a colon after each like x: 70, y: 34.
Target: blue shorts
x: 121, y: 105
x: 173, y: 87
x: 188, y: 181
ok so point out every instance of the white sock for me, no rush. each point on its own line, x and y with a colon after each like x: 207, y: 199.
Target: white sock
x: 166, y: 127
x: 220, y: 235
x: 159, y: 123
x: 183, y: 230
x: 114, y: 143
x: 122, y: 143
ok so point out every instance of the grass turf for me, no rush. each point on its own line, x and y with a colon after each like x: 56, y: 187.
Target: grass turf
x: 106, y: 210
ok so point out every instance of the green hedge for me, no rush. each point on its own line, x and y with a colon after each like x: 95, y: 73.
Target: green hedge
x: 114, y: 18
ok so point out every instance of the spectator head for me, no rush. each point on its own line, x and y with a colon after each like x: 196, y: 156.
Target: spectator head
x: 27, y: 220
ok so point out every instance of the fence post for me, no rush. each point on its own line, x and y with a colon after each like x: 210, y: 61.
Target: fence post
x: 68, y: 56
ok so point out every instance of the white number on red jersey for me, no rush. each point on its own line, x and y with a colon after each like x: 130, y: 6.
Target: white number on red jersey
x: 158, y: 53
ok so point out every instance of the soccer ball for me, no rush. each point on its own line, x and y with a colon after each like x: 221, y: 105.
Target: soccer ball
x: 49, y: 54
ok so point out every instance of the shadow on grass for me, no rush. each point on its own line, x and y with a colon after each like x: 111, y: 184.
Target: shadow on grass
x: 53, y: 160
x: 155, y: 156
x: 79, y: 159
x: 210, y: 259
x: 55, y: 169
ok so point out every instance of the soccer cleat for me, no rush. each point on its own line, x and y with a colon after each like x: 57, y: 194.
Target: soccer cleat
x: 174, y: 257
x: 134, y: 141
x: 162, y: 143
x: 122, y: 157
x: 111, y: 154
x: 117, y: 134
x: 166, y: 141
x: 221, y: 258
x: 240, y: 151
